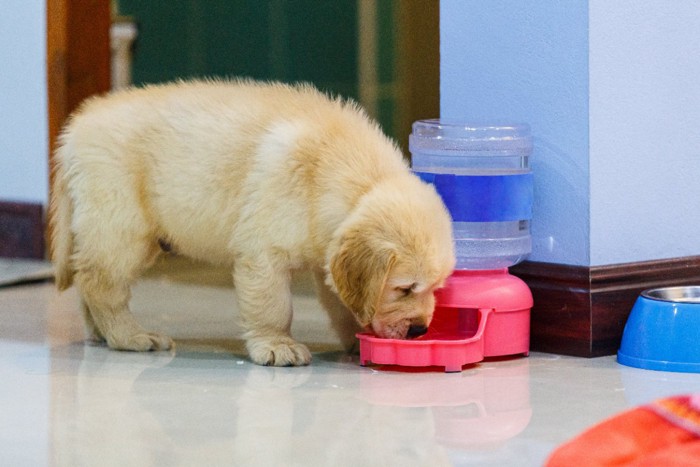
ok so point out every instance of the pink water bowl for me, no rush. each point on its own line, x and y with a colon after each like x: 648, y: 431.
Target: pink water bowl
x: 478, y: 314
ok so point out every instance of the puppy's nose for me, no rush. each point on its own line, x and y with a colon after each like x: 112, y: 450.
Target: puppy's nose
x: 416, y: 330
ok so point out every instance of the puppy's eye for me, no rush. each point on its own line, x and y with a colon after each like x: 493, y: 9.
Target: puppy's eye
x: 405, y: 291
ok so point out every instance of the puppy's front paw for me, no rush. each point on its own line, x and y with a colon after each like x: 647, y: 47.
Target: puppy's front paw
x: 141, y: 342
x: 278, y: 351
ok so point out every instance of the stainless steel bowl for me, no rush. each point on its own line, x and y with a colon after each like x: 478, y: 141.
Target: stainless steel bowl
x: 682, y: 294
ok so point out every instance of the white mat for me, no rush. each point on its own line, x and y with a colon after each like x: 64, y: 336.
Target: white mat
x: 15, y: 271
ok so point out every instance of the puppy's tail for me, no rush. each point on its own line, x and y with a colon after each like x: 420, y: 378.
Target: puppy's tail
x: 60, y: 219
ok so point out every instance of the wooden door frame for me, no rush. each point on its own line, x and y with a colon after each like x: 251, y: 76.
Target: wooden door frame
x: 77, y: 60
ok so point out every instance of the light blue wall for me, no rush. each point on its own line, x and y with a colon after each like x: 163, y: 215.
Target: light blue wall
x: 612, y: 92
x: 23, y: 102
x: 528, y: 61
x: 644, y: 130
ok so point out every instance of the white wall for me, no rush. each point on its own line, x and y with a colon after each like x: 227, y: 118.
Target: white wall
x: 644, y: 130
x: 612, y: 91
x: 23, y: 102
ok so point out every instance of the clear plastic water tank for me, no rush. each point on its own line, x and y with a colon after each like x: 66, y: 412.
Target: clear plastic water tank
x: 482, y: 172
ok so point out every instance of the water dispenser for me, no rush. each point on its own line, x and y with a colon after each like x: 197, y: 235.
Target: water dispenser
x: 482, y: 172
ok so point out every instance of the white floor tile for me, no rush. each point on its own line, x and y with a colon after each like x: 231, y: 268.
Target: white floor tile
x: 66, y: 403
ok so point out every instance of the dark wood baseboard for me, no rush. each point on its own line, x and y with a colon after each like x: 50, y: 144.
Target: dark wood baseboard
x: 21, y: 230
x: 582, y: 311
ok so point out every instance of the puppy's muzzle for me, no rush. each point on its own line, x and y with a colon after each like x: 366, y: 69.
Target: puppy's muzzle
x: 416, y: 330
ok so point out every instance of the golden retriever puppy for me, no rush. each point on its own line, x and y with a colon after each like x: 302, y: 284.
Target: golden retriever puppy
x: 264, y: 178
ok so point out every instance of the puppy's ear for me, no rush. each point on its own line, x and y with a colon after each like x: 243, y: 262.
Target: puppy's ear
x: 359, y: 269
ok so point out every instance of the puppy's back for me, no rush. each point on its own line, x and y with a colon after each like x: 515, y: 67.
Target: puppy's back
x: 198, y: 152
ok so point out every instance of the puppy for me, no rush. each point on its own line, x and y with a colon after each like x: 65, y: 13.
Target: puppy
x: 263, y: 178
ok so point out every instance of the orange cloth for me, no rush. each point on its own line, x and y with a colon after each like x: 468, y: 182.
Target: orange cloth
x: 663, y: 433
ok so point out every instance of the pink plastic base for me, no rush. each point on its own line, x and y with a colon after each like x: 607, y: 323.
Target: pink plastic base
x: 478, y: 314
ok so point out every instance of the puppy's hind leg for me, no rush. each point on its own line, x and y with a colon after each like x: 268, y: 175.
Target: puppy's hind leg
x: 107, y: 315
x: 265, y: 303
x: 93, y: 334
x: 113, y: 246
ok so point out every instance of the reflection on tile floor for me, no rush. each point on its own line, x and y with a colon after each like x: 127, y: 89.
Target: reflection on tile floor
x: 65, y: 403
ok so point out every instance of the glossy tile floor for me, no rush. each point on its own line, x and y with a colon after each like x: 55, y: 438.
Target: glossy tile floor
x: 66, y: 403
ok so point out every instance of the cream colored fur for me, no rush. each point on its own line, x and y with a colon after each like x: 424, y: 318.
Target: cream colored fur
x: 264, y: 178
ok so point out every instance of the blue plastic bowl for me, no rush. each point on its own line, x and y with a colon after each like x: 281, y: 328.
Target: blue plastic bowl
x: 663, y: 331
